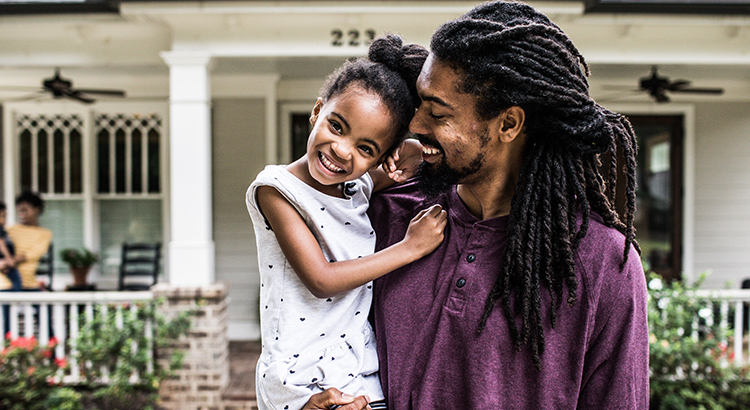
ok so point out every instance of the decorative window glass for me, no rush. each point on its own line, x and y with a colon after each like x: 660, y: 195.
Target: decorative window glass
x: 51, y: 153
x: 128, y: 153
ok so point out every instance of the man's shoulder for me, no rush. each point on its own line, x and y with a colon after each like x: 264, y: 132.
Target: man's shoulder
x: 601, y: 253
x: 405, y: 193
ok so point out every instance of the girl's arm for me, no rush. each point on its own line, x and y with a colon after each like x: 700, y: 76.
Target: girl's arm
x: 401, y: 165
x: 325, y: 279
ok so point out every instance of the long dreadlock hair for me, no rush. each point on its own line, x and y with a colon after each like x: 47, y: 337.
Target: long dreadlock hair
x: 512, y: 55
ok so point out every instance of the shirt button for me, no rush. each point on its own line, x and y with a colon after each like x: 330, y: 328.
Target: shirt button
x: 470, y: 258
x: 461, y: 282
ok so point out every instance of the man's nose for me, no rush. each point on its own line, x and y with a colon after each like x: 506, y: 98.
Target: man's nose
x: 417, y: 124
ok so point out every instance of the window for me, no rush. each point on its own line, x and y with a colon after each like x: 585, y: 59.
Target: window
x: 99, y: 172
x: 658, y: 217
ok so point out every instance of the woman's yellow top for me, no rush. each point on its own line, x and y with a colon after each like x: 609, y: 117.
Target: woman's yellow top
x: 32, y: 241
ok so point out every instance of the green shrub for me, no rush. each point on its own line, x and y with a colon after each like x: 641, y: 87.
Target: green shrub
x: 690, y: 372
x: 118, y: 370
x: 28, y: 373
x: 118, y: 373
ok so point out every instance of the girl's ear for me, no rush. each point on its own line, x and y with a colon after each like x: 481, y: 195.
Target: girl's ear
x: 316, y: 111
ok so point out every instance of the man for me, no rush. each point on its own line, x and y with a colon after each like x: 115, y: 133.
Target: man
x: 536, y: 298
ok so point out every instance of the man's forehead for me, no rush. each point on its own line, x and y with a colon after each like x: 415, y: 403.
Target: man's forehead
x: 438, y: 81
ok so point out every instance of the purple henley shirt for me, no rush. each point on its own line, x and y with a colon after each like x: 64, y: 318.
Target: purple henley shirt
x: 426, y: 316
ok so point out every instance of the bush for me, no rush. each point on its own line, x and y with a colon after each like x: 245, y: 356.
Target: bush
x: 29, y: 374
x: 688, y: 372
x: 117, y: 372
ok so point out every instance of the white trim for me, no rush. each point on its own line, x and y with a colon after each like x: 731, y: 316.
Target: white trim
x: 687, y: 111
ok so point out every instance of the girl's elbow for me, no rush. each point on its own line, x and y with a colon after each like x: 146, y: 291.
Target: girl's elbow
x: 321, y: 289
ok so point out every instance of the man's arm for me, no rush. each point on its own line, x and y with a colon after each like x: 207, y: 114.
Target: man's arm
x: 332, y: 397
x: 616, y: 372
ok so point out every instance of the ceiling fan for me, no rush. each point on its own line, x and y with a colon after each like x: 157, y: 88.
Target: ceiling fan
x: 61, y: 87
x: 658, y: 87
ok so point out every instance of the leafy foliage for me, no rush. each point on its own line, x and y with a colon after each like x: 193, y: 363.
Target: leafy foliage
x: 118, y: 372
x: 78, y: 258
x: 691, y: 362
x: 29, y: 374
x: 117, y: 352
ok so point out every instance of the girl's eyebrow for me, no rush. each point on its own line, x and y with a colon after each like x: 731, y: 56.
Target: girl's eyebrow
x: 341, y: 118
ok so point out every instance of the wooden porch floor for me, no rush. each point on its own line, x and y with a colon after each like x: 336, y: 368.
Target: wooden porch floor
x: 243, y: 356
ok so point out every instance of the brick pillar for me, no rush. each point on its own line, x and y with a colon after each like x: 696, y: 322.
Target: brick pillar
x: 199, y: 384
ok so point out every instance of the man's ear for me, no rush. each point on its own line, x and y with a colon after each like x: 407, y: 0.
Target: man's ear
x: 510, y: 123
x: 316, y: 111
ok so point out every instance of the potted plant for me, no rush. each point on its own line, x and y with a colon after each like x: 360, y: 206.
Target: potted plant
x: 80, y: 261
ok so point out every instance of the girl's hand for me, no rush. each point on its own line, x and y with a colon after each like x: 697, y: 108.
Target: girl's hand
x: 403, y: 163
x: 425, y: 232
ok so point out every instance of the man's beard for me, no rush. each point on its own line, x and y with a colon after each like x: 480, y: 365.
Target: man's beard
x: 438, y: 178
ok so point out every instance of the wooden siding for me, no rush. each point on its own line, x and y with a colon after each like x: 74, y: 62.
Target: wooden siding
x: 238, y: 156
x: 722, y: 193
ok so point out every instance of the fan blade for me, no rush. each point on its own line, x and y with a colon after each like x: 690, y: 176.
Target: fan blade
x: 677, y: 85
x: 19, y: 88
x: 114, y: 93
x: 76, y: 95
x: 695, y: 90
x: 30, y: 97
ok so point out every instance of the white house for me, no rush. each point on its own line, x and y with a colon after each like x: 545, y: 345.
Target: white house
x: 215, y: 90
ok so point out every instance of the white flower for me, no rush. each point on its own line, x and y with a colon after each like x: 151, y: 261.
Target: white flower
x: 663, y: 303
x: 655, y: 284
x: 705, y: 313
x: 680, y: 331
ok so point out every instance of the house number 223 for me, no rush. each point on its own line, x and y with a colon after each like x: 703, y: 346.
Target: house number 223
x: 351, y: 38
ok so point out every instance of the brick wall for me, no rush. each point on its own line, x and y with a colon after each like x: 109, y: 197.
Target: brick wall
x: 199, y: 384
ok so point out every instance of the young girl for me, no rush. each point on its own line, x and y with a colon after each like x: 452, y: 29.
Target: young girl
x: 315, y: 242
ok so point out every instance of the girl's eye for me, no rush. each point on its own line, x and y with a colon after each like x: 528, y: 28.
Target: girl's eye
x: 336, y: 126
x: 436, y: 117
x: 367, y: 150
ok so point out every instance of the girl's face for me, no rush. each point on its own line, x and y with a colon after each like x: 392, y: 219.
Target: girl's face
x: 351, y: 133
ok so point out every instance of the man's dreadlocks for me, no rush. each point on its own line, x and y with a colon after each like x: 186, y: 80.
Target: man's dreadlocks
x: 511, y: 55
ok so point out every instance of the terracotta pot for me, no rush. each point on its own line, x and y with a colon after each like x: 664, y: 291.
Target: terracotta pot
x: 79, y: 275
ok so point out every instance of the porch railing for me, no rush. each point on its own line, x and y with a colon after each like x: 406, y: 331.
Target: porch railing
x: 730, y: 306
x: 59, y: 314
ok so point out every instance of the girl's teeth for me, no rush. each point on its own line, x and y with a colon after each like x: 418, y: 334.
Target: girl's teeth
x: 430, y: 151
x: 328, y: 164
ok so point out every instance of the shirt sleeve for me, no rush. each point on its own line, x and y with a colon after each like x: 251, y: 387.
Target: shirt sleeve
x: 616, y: 367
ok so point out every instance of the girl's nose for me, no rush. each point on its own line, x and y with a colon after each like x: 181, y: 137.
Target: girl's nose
x: 342, y: 150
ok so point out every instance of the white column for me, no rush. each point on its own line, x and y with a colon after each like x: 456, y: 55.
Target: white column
x: 191, y: 246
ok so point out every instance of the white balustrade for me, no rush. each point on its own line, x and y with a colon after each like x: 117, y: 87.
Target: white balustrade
x: 47, y: 314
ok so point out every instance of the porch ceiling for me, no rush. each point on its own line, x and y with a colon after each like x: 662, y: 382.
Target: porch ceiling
x: 293, y: 39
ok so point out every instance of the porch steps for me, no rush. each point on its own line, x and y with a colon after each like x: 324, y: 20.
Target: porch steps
x: 240, y: 393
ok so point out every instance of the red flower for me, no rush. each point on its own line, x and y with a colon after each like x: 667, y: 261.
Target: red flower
x: 61, y: 363
x: 52, y: 342
x: 31, y: 370
x: 8, y: 335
